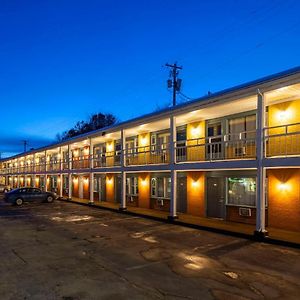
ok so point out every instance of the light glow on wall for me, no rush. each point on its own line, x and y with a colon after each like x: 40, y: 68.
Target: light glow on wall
x: 195, y: 132
x: 283, y: 187
x: 110, y: 180
x: 86, y: 151
x: 86, y: 180
x: 284, y: 115
x: 195, y: 183
x: 110, y: 146
x: 144, y: 182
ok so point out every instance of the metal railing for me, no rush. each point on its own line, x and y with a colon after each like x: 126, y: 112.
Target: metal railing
x: 282, y: 141
x: 147, y: 155
x: 81, y: 162
x: 230, y: 146
x: 107, y: 159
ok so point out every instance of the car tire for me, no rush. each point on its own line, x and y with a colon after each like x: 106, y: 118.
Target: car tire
x: 49, y: 199
x: 19, y: 201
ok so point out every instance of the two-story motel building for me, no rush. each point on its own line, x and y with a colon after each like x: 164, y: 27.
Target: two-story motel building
x: 233, y: 155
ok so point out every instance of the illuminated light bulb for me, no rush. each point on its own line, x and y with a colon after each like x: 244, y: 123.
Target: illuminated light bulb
x: 195, y: 183
x: 195, y: 131
x: 283, y: 115
x: 283, y: 187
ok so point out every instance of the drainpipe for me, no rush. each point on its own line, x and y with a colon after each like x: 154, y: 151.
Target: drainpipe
x: 260, y: 231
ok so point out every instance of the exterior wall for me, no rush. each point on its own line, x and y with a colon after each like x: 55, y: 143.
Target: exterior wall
x: 196, y: 193
x: 279, y: 115
x: 144, y: 190
x: 144, y: 146
x: 86, y: 187
x: 232, y: 214
x: 110, y: 147
x: 284, y: 199
x: 110, y: 188
x: 75, y: 186
x: 195, y: 130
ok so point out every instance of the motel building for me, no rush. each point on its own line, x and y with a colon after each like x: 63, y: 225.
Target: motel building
x: 232, y: 157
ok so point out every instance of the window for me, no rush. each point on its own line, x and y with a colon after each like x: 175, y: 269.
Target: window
x: 132, y: 146
x: 161, y: 187
x: 241, y: 191
x: 245, y: 125
x: 132, y: 186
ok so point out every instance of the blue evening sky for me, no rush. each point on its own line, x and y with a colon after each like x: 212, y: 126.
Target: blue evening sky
x: 61, y: 61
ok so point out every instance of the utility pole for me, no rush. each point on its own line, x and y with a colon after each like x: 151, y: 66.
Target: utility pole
x: 174, y: 82
x: 25, y: 145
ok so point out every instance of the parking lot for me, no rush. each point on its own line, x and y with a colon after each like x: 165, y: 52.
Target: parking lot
x: 67, y: 251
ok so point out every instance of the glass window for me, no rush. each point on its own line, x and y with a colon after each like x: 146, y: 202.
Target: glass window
x: 241, y: 191
x: 160, y: 187
x: 153, y: 187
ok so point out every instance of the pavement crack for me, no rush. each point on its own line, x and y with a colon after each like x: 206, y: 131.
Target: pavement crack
x: 19, y: 256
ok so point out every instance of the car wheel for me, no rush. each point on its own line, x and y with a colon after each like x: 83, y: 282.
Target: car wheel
x: 49, y: 199
x: 19, y: 201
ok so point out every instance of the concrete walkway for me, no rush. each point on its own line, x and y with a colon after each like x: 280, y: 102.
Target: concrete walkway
x: 276, y: 236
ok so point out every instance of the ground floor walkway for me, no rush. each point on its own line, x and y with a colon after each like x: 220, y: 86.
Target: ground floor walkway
x: 275, y: 235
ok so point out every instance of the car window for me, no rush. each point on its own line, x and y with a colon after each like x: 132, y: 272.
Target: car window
x: 36, y: 191
x: 23, y: 191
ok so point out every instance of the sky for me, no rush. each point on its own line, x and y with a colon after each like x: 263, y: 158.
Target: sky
x: 61, y: 61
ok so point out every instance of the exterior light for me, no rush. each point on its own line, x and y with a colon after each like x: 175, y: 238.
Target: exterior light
x: 283, y: 187
x: 110, y: 147
x: 195, y: 183
x: 109, y: 180
x: 144, y: 141
x: 283, y: 115
x: 195, y: 132
x: 86, y: 151
x: 86, y: 180
x: 144, y: 182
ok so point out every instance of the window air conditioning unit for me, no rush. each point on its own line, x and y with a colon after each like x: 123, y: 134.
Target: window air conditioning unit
x: 160, y: 202
x: 245, y: 212
x: 241, y: 151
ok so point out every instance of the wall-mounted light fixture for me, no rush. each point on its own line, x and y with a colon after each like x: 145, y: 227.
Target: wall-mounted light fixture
x: 283, y: 186
x: 195, y: 132
x: 195, y: 183
x: 284, y: 115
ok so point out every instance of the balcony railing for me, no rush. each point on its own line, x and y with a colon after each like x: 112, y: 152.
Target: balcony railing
x: 222, y: 147
x: 148, y: 155
x: 279, y: 141
x: 107, y: 159
x: 282, y: 141
x: 81, y: 162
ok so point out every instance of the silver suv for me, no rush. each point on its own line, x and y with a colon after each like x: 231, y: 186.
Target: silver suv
x: 4, y: 188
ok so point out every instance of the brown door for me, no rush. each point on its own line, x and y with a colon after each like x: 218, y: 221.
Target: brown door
x: 215, y: 197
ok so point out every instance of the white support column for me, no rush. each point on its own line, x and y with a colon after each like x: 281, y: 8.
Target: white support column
x: 123, y: 148
x: 123, y: 174
x: 91, y: 183
x: 261, y: 172
x: 70, y: 186
x: 46, y: 161
x: 46, y: 182
x: 123, y: 191
x: 61, y: 185
x: 60, y: 159
x: 69, y: 157
x: 173, y: 206
x: 91, y: 152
